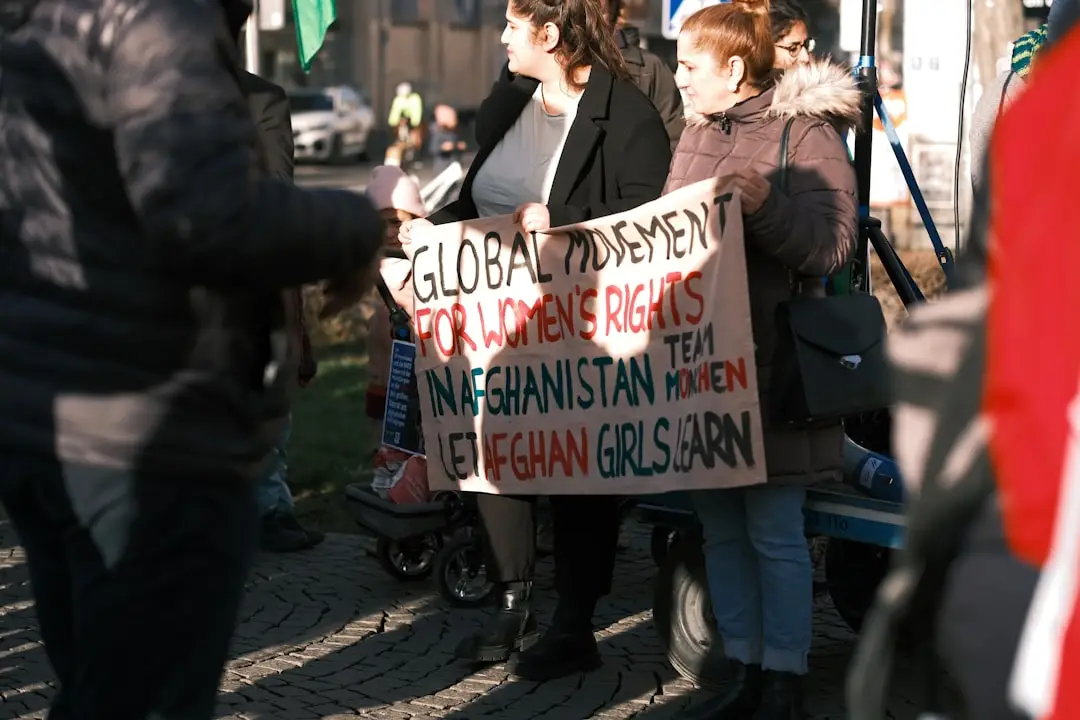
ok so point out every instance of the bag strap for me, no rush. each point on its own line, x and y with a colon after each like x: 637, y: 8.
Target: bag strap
x: 781, y: 172
x: 785, y: 137
x: 399, y: 316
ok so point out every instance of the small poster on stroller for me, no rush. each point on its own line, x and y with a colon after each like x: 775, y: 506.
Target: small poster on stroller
x: 611, y: 357
x: 401, y: 421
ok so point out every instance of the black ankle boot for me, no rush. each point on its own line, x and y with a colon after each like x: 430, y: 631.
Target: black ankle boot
x: 568, y: 647
x: 511, y: 630
x: 741, y: 700
x: 781, y: 697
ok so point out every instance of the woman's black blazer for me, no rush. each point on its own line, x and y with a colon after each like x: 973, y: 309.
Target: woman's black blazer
x: 616, y: 156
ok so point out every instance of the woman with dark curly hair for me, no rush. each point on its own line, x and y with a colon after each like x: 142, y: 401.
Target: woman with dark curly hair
x: 564, y: 137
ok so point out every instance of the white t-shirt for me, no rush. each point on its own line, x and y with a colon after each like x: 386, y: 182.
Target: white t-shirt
x: 522, y: 166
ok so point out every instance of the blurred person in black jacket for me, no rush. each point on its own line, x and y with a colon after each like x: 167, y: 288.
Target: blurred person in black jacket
x: 279, y: 529
x: 143, y: 253
x: 649, y: 73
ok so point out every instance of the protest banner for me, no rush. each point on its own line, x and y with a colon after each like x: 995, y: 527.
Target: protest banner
x: 610, y: 357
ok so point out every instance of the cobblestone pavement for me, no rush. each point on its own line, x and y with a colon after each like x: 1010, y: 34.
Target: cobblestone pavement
x: 328, y: 634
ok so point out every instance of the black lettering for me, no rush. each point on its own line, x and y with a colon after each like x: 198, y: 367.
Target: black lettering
x: 698, y: 448
x: 429, y: 291
x: 614, y: 248
x: 520, y: 257
x: 442, y: 458
x: 456, y: 458
x: 492, y: 260
x: 717, y: 377
x: 721, y: 201
x: 578, y: 239
x: 724, y: 438
x: 451, y: 291
x: 596, y: 247
x: 467, y: 244
x: 541, y: 276
x: 721, y: 437
x: 633, y: 247
x: 697, y: 226
x: 650, y: 234
x: 676, y: 233
x: 740, y: 436
x: 671, y: 341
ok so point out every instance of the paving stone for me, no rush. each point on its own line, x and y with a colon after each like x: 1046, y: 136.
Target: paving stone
x: 327, y: 634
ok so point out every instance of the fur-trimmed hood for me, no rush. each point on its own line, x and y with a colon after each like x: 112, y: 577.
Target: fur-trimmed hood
x: 820, y: 90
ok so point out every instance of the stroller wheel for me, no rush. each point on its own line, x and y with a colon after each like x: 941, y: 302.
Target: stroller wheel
x: 409, y: 559
x: 461, y: 574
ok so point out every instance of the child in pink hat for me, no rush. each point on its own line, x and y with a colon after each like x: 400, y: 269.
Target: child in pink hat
x: 397, y: 197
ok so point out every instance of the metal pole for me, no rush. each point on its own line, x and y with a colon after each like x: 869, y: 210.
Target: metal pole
x: 866, y: 72
x: 867, y: 77
x: 251, y: 42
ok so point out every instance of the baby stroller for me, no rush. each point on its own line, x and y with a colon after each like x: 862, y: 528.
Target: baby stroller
x: 439, y: 536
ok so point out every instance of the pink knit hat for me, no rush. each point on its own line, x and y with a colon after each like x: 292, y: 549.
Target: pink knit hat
x: 391, y: 189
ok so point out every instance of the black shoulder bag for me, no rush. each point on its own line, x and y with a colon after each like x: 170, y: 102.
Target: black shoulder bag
x: 830, y: 351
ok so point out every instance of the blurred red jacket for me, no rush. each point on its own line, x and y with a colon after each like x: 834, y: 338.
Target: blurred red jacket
x: 1032, y: 397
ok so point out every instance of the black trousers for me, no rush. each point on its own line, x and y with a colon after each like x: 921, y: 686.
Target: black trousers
x: 586, y: 531
x: 137, y: 581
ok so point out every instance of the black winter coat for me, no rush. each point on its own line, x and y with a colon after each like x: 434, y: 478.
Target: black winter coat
x: 142, y: 257
x: 651, y: 76
x: 615, y: 158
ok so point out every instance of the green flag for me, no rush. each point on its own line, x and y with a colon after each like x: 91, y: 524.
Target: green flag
x: 312, y: 18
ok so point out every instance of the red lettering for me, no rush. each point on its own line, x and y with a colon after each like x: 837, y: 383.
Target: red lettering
x: 440, y: 336
x: 493, y: 457
x: 558, y: 458
x: 656, y: 307
x: 538, y: 459
x: 566, y: 313
x: 704, y: 382
x: 577, y: 452
x: 519, y: 462
x: 694, y: 317
x: 735, y: 373
x: 493, y: 336
x: 422, y: 334
x: 613, y: 312
x: 525, y: 313
x: 461, y: 338
x: 505, y: 305
x: 673, y: 278
x: 638, y: 312
x: 588, y: 315
x: 548, y: 320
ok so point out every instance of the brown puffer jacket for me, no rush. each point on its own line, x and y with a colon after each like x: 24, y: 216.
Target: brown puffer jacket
x: 809, y: 230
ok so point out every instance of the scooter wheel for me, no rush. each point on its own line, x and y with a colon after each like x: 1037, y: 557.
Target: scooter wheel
x: 682, y: 613
x: 660, y: 542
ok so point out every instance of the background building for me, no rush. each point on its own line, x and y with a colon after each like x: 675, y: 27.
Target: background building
x: 448, y: 49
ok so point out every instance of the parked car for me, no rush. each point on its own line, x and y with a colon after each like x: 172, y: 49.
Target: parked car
x: 330, y: 124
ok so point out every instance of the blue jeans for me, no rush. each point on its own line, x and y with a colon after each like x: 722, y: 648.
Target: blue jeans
x: 761, y: 581
x: 275, y: 498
